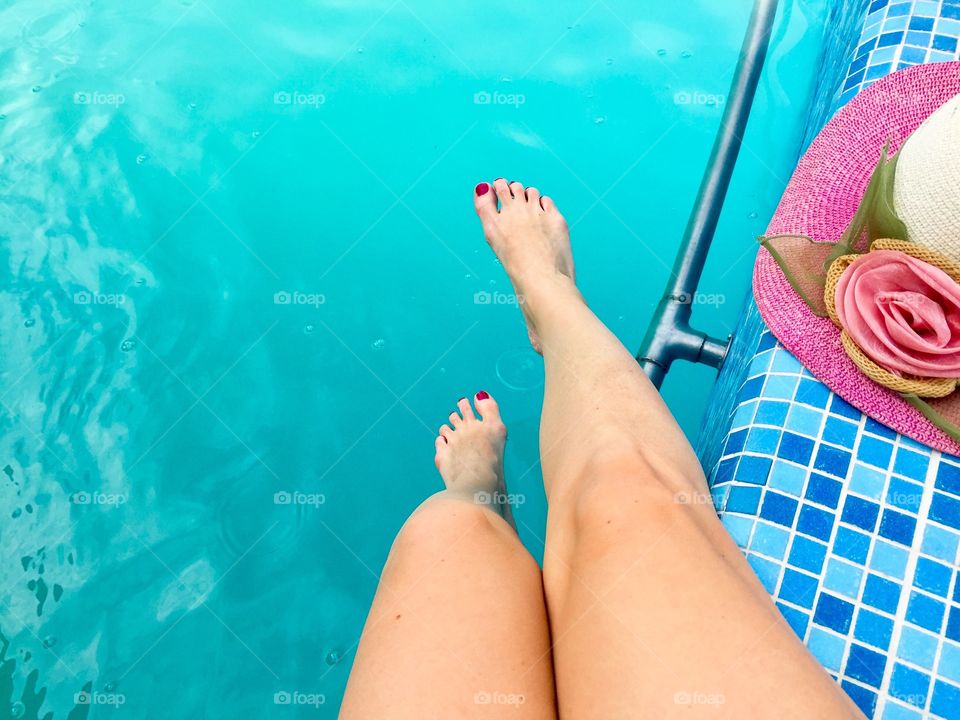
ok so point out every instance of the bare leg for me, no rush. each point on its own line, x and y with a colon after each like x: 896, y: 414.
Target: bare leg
x: 458, y: 627
x: 653, y: 608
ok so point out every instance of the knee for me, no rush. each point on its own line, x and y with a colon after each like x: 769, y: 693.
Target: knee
x: 441, y: 524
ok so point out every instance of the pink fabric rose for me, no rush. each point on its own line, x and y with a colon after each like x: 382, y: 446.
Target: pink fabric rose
x: 903, y: 313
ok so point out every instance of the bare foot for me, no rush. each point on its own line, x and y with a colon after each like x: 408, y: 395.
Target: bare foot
x: 528, y: 234
x: 470, y: 454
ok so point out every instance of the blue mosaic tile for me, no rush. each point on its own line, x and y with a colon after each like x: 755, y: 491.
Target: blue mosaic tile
x: 953, y: 624
x: 795, y: 618
x: 946, y: 510
x: 739, y: 527
x: 904, y: 495
x: 770, y: 540
x: 892, y: 711
x: 839, y: 432
x: 911, y: 464
x: 932, y: 576
x: 779, y: 508
x: 852, y: 545
x: 743, y: 499
x: 888, y: 559
x: 873, y: 629
x: 860, y: 513
x: 909, y: 685
x: 823, y: 490
x: 807, y: 554
x: 788, y: 478
x: 865, y: 665
x: 832, y: 461
x: 843, y: 578
x: 811, y: 392
x: 767, y: 570
x: 753, y: 469
x: 881, y: 593
x: 948, y: 478
x: 815, y: 522
x: 898, y: 527
x: 762, y: 440
x: 863, y: 698
x: 941, y: 543
x: 874, y: 451
x: 867, y: 481
x: 949, y: 666
x: 796, y: 448
x: 772, y: 412
x: 827, y: 648
x: 833, y: 612
x: 925, y: 611
x: 839, y: 406
x: 917, y: 647
x: 945, y: 702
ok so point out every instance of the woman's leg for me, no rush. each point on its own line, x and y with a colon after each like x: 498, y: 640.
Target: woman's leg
x: 458, y: 627
x: 654, y: 610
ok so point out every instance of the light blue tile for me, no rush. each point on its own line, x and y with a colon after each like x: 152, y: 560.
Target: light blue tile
x: 867, y: 481
x: 780, y: 387
x: 941, y: 543
x: 946, y: 26
x: 926, y: 8
x: 770, y: 540
x: 827, y: 648
x: 888, y: 559
x: 894, y: 24
x: 739, y: 527
x: 941, y: 57
x: 744, y: 414
x: 788, y: 477
x: 805, y: 420
x: 784, y: 361
x: 917, y: 647
x: 843, y: 578
x: 767, y: 570
x: 892, y: 711
x: 949, y: 666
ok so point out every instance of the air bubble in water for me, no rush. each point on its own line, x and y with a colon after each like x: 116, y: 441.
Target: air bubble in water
x: 661, y: 52
x: 17, y: 512
x: 333, y: 657
x: 378, y: 344
x: 29, y: 322
x: 609, y: 61
x: 255, y: 134
x: 752, y: 216
x: 360, y: 51
x: 309, y: 328
x: 192, y: 106
x: 110, y: 687
x: 128, y: 345
x: 520, y: 369
x: 686, y: 53
x: 36, y: 89
x: 49, y: 641
x: 141, y: 159
x: 599, y: 120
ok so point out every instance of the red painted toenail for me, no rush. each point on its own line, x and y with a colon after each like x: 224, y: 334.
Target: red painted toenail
x: 482, y: 189
x: 483, y: 395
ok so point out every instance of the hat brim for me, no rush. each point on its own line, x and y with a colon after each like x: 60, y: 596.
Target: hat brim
x: 819, y: 202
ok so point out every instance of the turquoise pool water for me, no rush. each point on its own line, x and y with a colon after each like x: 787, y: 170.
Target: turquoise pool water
x: 243, y: 286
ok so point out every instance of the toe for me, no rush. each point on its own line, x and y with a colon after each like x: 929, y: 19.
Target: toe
x: 446, y: 432
x: 547, y: 204
x: 441, y: 444
x: 487, y: 406
x: 455, y: 420
x: 516, y: 189
x: 484, y: 201
x: 503, y: 191
x: 533, y: 196
x: 465, y: 410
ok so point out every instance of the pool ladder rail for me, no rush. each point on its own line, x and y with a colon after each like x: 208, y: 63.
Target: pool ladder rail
x: 670, y: 336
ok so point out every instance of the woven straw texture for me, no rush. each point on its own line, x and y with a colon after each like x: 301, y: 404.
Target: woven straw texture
x: 819, y: 202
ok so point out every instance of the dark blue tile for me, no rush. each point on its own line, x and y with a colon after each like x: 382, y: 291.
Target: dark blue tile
x: 852, y: 545
x: 890, y: 38
x: 772, y: 412
x: 874, y: 451
x: 839, y: 406
x: 925, y: 611
x: 823, y: 490
x: 881, y: 593
x: 795, y: 619
x: 932, y: 576
x: 815, y: 522
x: 953, y: 624
x: 753, y: 469
x: 861, y: 513
x: 725, y: 471
x: 752, y: 388
x: 898, y: 527
x: 857, y: 65
x: 812, y: 392
x: 735, y: 442
x: 743, y: 499
x: 876, y: 5
x: 951, y: 12
x: 909, y: 685
x: 945, y: 509
x: 832, y: 461
x: 865, y: 665
x: 862, y: 698
x: 798, y: 588
x: 834, y: 613
x: 807, y: 554
x: 795, y: 448
x: 944, y: 43
x: 911, y: 464
x: 767, y: 341
x: 873, y: 629
x: 946, y: 698
x: 921, y: 23
x: 778, y: 508
x: 948, y: 478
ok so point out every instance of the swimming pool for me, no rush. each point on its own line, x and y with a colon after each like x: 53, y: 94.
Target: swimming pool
x: 243, y: 286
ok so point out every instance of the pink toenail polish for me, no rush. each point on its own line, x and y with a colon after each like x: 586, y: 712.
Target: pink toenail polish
x: 483, y: 395
x: 482, y: 189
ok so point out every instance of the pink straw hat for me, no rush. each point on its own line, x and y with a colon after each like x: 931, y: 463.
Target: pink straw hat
x: 820, y: 203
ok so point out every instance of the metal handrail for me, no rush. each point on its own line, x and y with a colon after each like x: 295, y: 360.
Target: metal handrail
x: 670, y: 336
